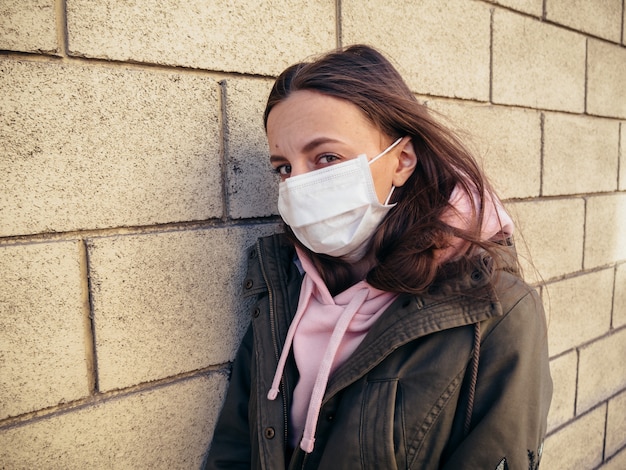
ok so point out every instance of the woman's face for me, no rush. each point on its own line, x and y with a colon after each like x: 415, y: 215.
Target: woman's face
x: 309, y: 130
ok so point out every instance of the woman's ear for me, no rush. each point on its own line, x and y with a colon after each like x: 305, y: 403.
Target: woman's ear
x: 407, y: 161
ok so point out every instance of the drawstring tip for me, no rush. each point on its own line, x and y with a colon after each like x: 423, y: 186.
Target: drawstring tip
x: 272, y: 394
x: 306, y: 444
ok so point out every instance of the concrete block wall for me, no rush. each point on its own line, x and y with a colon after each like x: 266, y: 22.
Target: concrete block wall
x: 134, y: 173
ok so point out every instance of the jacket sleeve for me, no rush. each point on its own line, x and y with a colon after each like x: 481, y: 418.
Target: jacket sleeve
x: 231, y: 447
x: 512, y: 395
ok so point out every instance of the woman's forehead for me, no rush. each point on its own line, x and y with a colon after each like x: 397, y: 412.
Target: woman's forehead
x: 305, y: 113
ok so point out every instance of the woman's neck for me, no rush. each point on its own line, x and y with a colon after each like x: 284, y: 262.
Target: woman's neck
x: 359, y: 269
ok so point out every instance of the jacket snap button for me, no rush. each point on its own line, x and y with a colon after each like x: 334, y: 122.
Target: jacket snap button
x: 256, y: 312
x: 270, y: 433
x: 249, y: 284
x: 330, y: 417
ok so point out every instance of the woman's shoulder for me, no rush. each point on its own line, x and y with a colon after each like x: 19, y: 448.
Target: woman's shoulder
x: 513, y: 292
x: 507, y: 285
x: 522, y: 310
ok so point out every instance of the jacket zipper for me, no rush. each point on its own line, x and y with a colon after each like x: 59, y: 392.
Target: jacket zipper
x: 274, y: 340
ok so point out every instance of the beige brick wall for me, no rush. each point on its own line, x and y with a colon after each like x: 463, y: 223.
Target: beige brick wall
x: 106, y: 136
x: 551, y: 236
x: 245, y: 148
x: 601, y: 19
x: 619, y: 297
x: 134, y: 173
x: 622, y: 153
x: 513, y: 160
x: 44, y: 328
x: 580, y: 154
x: 253, y: 37
x: 569, y: 303
x: 29, y: 26
x: 564, y: 373
x: 414, y: 30
x: 605, y: 84
x: 616, y: 423
x: 578, y: 445
x: 536, y: 64
x: 143, y: 333
x: 166, y: 426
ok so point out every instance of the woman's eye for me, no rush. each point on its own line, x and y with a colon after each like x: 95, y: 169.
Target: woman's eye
x: 283, y: 170
x: 328, y: 158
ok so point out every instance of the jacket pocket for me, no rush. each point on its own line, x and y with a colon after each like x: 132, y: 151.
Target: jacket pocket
x: 381, y: 429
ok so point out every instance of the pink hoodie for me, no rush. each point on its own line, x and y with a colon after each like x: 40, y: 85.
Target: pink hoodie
x: 324, y: 332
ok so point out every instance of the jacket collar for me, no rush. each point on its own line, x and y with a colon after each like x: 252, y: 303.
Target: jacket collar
x: 408, y: 318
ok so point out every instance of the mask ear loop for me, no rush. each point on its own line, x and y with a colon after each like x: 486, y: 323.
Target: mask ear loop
x: 389, y: 197
x: 385, y: 152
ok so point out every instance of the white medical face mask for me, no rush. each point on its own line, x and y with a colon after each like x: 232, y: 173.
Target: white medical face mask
x: 334, y: 210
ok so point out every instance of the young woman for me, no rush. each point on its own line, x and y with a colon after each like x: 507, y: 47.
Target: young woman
x: 391, y: 327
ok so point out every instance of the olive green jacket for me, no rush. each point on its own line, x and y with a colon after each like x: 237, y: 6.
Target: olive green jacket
x: 439, y: 381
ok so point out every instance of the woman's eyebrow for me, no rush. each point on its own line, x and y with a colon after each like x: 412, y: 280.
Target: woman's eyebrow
x: 277, y: 158
x: 317, y: 142
x: 309, y: 146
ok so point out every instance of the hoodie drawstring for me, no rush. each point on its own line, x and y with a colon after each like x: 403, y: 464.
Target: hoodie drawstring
x: 473, y: 379
x: 323, y: 373
x: 307, y: 291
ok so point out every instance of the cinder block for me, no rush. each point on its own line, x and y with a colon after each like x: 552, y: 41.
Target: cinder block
x: 580, y: 154
x: 43, y: 327
x: 439, y: 51
x: 579, y: 309
x: 162, y: 428
x: 261, y: 37
x: 601, y: 370
x: 167, y: 303
x: 28, y: 26
x: 617, y: 462
x: 616, y: 425
x: 532, y: 7
x: 95, y: 146
x: 605, y: 229
x: 252, y: 184
x: 624, y: 42
x: 619, y: 297
x: 602, y: 19
x: 507, y: 141
x: 563, y: 370
x: 549, y: 236
x: 536, y: 64
x: 578, y: 445
x: 606, y: 87
x: 622, y: 156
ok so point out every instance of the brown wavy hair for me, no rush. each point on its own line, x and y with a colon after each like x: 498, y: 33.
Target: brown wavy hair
x: 406, y: 242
